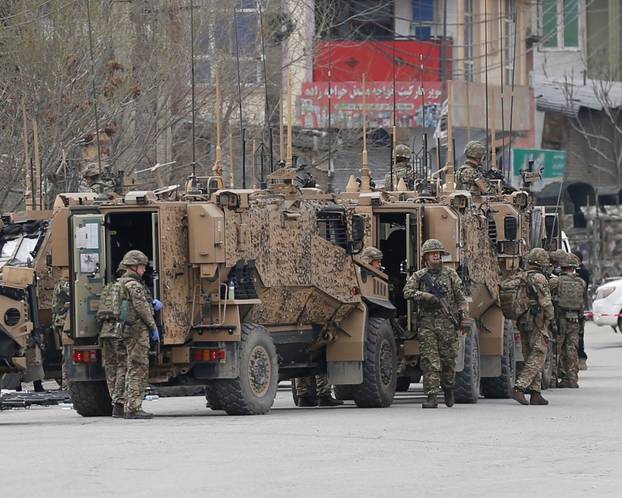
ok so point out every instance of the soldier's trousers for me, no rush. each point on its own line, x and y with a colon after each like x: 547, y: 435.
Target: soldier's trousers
x: 114, y: 358
x: 567, y: 349
x: 535, y: 346
x: 305, y: 385
x: 137, y: 350
x: 438, y: 339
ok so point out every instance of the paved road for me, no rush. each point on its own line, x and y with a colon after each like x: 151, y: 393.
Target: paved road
x: 495, y: 448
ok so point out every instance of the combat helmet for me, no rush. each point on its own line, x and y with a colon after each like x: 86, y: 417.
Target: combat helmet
x: 571, y: 261
x: 134, y: 258
x: 402, y: 151
x: 557, y: 257
x: 475, y: 150
x: 91, y: 170
x: 538, y: 257
x: 433, y: 245
x: 370, y: 254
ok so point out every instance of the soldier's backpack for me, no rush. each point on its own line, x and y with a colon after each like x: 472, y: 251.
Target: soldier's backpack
x: 514, y: 296
x: 113, y: 303
x: 570, y: 291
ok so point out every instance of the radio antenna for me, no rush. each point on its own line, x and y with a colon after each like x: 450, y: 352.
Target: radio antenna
x: 289, y: 121
x: 237, y: 63
x: 218, y: 162
x: 266, y: 121
x: 330, y: 112
x: 94, y: 91
x: 393, y: 131
x: 192, y: 93
x: 486, y: 81
x: 365, y: 179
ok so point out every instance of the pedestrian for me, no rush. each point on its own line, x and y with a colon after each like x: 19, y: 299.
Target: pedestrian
x: 570, y: 291
x: 584, y: 273
x: 471, y: 175
x: 533, y: 326
x: 141, y: 327
x: 438, y: 292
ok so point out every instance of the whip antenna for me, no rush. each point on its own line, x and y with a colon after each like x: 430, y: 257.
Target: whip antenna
x: 94, y: 91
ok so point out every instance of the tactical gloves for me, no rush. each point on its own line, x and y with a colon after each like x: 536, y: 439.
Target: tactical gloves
x: 426, y: 297
x: 157, y: 305
x: 154, y: 335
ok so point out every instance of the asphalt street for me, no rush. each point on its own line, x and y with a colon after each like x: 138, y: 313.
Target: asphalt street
x: 573, y: 447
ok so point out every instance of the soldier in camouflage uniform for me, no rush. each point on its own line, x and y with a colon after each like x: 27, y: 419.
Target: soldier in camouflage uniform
x: 323, y: 391
x: 533, y: 326
x: 471, y: 175
x: 136, y: 336
x: 569, y: 291
x: 438, y: 336
x: 93, y: 181
x: 402, y: 168
x: 372, y: 256
x: 59, y: 315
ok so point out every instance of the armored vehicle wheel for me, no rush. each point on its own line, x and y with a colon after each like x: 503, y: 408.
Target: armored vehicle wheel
x: 501, y: 387
x: 212, y: 395
x: 379, y: 367
x: 91, y: 399
x: 403, y: 384
x: 467, y: 382
x: 344, y: 392
x: 254, y: 391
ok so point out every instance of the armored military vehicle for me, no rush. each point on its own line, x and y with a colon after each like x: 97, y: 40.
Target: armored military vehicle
x: 257, y: 286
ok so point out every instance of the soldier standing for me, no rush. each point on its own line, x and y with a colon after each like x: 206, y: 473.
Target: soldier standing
x: 402, y: 168
x: 532, y: 325
x: 93, y: 181
x: 59, y: 315
x: 438, y: 331
x: 142, y: 326
x: 584, y: 273
x: 471, y: 175
x: 570, y: 291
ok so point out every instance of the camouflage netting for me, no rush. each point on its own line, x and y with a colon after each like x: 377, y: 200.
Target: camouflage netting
x: 480, y: 252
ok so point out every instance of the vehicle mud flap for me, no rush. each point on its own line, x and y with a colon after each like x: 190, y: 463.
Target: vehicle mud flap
x: 467, y: 382
x: 379, y: 367
x: 253, y: 392
x: 501, y: 387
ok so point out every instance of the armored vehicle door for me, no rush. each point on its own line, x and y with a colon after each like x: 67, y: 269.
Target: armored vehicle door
x: 88, y: 267
x: 413, y: 256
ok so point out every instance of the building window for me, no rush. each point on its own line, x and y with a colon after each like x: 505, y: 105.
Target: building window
x: 423, y: 19
x: 560, y: 23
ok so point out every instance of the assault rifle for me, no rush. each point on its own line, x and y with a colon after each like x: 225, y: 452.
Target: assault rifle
x: 440, y: 293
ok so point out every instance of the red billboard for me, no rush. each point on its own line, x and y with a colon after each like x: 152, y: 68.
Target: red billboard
x: 347, y: 104
x: 349, y: 60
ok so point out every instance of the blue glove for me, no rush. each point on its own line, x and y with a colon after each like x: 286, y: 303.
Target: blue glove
x: 157, y: 305
x: 154, y: 335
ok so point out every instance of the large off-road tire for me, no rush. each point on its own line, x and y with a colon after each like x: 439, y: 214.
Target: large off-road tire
x: 344, y: 392
x: 501, y: 387
x: 403, y: 384
x: 91, y: 399
x: 253, y: 392
x: 467, y: 382
x: 379, y: 366
x: 212, y: 395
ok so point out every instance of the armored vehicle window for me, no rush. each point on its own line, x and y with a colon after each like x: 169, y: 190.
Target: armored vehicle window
x: 332, y: 226
x: 26, y: 248
x: 8, y: 249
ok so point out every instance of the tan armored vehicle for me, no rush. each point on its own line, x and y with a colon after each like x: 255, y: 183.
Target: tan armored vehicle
x: 257, y: 286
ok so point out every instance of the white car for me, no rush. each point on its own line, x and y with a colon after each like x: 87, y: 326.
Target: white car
x: 607, y: 304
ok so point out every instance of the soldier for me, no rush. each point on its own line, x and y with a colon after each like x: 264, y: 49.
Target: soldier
x: 532, y: 325
x: 93, y: 181
x: 584, y: 273
x: 324, y: 392
x: 402, y: 168
x: 59, y: 315
x: 372, y: 256
x: 471, y: 176
x: 136, y: 336
x: 570, y: 290
x: 556, y: 257
x: 438, y: 331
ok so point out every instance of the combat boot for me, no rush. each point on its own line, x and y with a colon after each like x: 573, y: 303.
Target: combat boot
x: 519, y: 395
x: 537, y: 399
x: 118, y: 410
x: 328, y: 400
x: 431, y: 402
x: 306, y: 401
x: 568, y: 384
x: 139, y: 414
x: 38, y: 386
x: 449, y: 397
x: 582, y: 364
x: 553, y: 384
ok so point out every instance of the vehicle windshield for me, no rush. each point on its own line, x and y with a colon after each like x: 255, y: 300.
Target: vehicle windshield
x: 18, y: 252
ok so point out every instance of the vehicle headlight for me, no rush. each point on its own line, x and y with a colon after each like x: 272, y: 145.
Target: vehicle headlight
x: 603, y: 293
